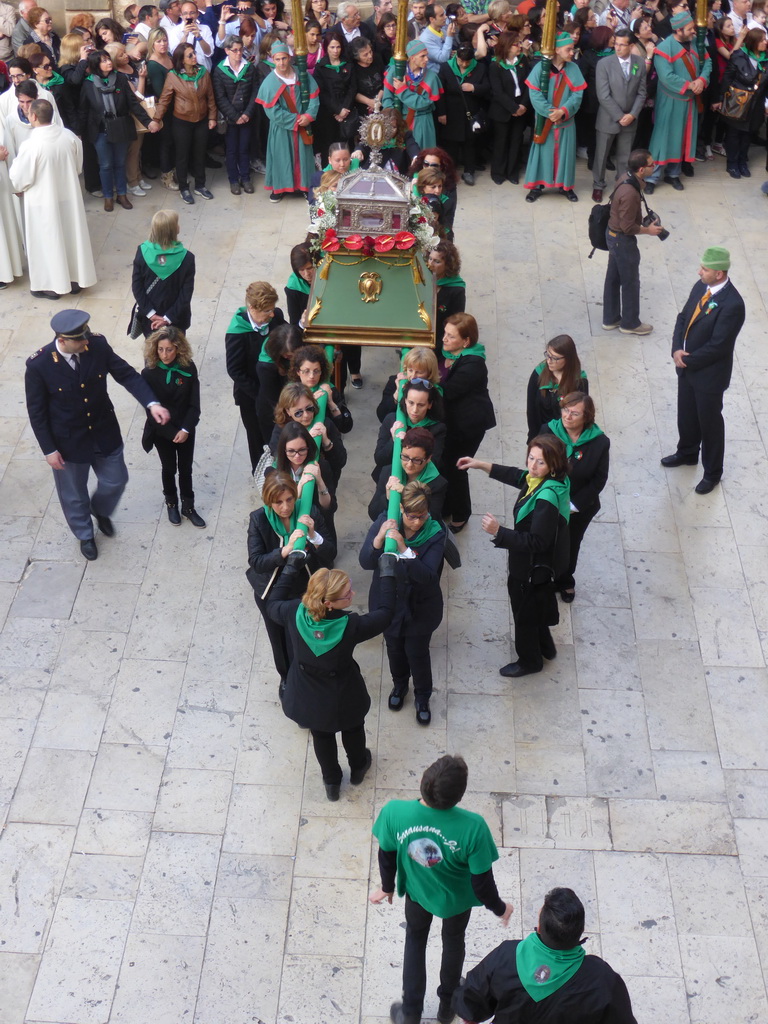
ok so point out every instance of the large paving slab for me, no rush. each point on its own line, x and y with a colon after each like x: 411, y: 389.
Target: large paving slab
x: 166, y: 849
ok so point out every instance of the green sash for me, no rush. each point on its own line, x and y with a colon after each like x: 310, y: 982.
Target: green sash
x: 558, y: 429
x: 542, y: 970
x: 320, y: 637
x: 409, y: 424
x: 172, y: 368
x: 334, y: 67
x: 276, y: 523
x: 471, y: 350
x: 451, y: 282
x: 428, y: 474
x: 553, y: 491
x: 298, y: 284
x: 427, y: 532
x: 453, y: 64
x: 57, y: 79
x: 171, y: 258
x: 240, y: 323
x: 194, y: 79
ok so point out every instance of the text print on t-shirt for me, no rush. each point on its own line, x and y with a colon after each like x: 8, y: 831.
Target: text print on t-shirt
x: 450, y: 843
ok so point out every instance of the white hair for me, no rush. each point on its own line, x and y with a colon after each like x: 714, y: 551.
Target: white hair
x: 341, y: 10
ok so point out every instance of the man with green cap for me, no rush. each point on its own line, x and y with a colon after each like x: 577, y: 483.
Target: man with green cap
x: 702, y: 351
x: 290, y: 159
x: 547, y: 976
x: 682, y: 80
x: 418, y: 93
x: 552, y: 159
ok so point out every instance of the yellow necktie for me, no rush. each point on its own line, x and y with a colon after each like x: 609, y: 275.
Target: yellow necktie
x: 702, y: 303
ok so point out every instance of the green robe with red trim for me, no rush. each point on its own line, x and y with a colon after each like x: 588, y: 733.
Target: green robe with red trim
x: 676, y: 125
x: 290, y: 160
x: 419, y: 102
x: 552, y: 163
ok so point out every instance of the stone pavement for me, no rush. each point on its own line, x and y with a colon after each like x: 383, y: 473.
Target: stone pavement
x: 168, y: 854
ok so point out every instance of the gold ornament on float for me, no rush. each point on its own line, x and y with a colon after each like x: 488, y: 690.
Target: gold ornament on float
x: 370, y: 286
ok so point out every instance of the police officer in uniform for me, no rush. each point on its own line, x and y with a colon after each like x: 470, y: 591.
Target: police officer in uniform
x: 75, y: 423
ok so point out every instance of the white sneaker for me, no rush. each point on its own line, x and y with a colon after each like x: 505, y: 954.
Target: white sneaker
x: 136, y: 190
x: 145, y: 185
x: 581, y: 153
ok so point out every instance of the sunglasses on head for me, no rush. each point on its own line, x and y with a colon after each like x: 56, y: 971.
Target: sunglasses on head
x: 420, y: 380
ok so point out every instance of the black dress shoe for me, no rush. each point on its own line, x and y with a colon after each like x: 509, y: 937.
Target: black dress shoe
x: 105, y: 525
x: 650, y: 188
x: 705, y: 485
x: 671, y: 461
x: 45, y: 295
x: 515, y: 669
x: 423, y: 714
x: 397, y: 698
x: 89, y: 550
x: 570, y: 195
x: 566, y: 596
x: 687, y: 170
x: 548, y: 650
x: 357, y: 775
x: 445, y: 1012
x: 210, y: 162
x: 74, y: 288
x: 331, y: 791
x: 457, y: 527
x: 514, y: 180
x: 676, y: 184
x: 533, y: 195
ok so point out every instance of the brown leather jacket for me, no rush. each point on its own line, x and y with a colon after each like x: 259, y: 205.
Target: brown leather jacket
x: 189, y: 103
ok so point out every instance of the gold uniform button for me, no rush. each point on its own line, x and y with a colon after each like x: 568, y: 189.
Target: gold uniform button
x: 82, y: 385
x: 85, y: 400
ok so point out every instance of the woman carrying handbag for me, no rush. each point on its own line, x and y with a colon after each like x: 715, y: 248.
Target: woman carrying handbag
x: 163, y: 279
x: 742, y: 106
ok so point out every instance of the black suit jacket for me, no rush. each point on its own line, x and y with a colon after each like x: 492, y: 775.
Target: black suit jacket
x: 72, y: 413
x: 503, y: 100
x: 171, y: 297
x: 711, y: 339
x: 242, y: 355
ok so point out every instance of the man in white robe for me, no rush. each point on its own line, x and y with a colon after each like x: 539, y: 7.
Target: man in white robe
x: 56, y: 236
x: 11, y: 253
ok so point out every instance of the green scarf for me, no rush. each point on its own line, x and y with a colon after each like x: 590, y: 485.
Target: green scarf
x: 55, y: 79
x: 227, y: 70
x: 276, y: 523
x: 335, y: 67
x: 163, y: 262
x: 264, y: 356
x: 605, y: 53
x: 453, y: 64
x: 426, y: 422
x: 428, y: 474
x: 553, y: 491
x: 241, y: 323
x: 451, y: 282
x: 298, y: 284
x: 553, y: 385
x: 471, y: 350
x: 543, y: 970
x: 320, y: 637
x: 505, y: 65
x: 761, y: 58
x: 172, y: 368
x: 354, y: 165
x: 427, y: 532
x: 558, y: 429
x: 192, y: 78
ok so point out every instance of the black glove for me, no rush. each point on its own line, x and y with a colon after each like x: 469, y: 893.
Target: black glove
x: 387, y: 564
x: 296, y: 559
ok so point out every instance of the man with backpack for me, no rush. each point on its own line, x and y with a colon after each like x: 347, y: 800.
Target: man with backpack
x: 621, y: 291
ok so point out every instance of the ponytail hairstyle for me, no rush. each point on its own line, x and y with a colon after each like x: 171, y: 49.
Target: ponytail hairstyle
x: 324, y: 585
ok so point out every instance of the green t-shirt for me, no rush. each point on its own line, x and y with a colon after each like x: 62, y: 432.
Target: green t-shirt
x: 437, y: 852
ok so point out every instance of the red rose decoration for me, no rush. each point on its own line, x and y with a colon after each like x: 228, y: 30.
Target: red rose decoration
x: 353, y: 242
x: 384, y: 243
x: 405, y: 240
x: 422, y: 220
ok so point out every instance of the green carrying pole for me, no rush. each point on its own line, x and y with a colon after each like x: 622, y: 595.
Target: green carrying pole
x: 393, y: 507
x: 307, y: 496
x: 399, y: 58
x: 548, y: 53
x: 300, y: 55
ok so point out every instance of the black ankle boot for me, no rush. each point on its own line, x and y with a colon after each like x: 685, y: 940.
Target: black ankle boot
x: 188, y: 511
x: 173, y: 513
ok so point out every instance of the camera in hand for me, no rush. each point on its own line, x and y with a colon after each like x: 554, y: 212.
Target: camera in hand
x: 653, y: 218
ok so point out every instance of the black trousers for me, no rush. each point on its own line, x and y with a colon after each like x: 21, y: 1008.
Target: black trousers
x: 191, y: 141
x: 177, y: 458
x: 409, y: 657
x: 253, y: 431
x: 531, y: 610
x: 700, y: 424
x: 417, y: 924
x: 277, y: 639
x: 577, y: 527
x: 327, y: 752
x: 458, y: 503
x: 621, y: 289
x: 463, y: 152
x: 736, y: 148
x: 507, y: 147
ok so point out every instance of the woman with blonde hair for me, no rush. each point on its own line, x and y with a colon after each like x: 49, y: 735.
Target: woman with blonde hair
x: 172, y: 375
x: 297, y: 404
x: 325, y: 691
x: 159, y: 63
x: 163, y: 276
x: 418, y: 363
x: 136, y: 73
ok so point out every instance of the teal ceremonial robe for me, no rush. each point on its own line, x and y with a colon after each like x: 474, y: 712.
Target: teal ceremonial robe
x: 290, y: 160
x: 676, y: 125
x: 552, y: 164
x: 419, y: 101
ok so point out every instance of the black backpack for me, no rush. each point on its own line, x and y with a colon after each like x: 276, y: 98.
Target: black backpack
x: 597, y: 225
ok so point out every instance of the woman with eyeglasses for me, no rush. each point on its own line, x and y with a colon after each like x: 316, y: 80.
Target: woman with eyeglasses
x: 41, y: 23
x: 537, y: 546
x: 587, y: 449
x: 418, y: 362
x: 309, y: 367
x: 435, y: 158
x: 468, y: 410
x: 558, y: 375
x: 297, y: 404
x: 272, y: 534
x: 417, y: 467
x: 420, y: 540
x: 298, y: 456
x: 325, y: 691
x: 421, y: 405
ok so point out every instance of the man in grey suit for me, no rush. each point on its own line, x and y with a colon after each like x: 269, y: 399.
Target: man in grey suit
x: 620, y: 85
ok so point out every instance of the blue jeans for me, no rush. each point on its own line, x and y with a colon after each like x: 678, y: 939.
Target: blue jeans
x: 111, y: 165
x: 621, y: 290
x: 238, y: 149
x: 668, y: 170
